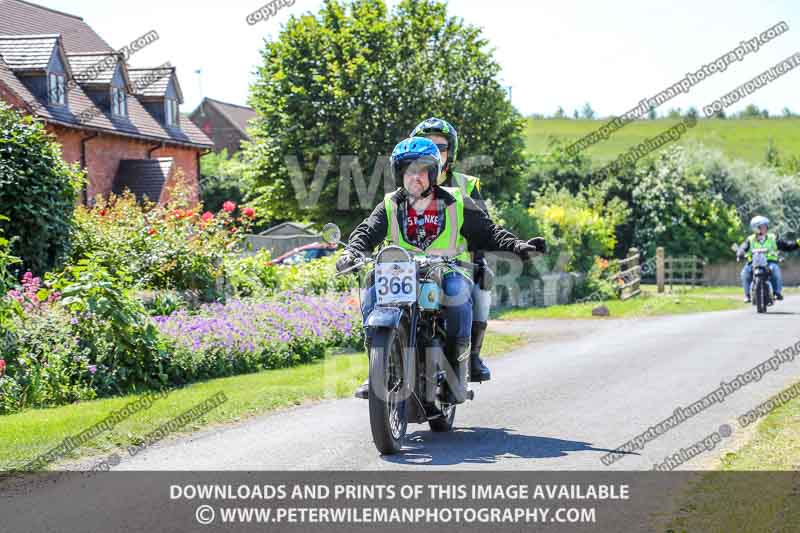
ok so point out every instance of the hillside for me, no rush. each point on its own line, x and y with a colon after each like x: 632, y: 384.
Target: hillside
x: 745, y: 139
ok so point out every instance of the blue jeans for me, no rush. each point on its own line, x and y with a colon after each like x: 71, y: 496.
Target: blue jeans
x: 777, y: 280
x: 457, y: 305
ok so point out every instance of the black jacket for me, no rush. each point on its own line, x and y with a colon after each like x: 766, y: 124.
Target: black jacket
x: 481, y: 233
x: 783, y: 245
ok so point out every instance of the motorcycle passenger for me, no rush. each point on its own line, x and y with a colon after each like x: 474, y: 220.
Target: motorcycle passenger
x: 445, y: 137
x: 424, y: 218
x: 761, y: 238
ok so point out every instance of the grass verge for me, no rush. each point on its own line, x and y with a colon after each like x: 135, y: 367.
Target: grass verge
x: 26, y: 435
x: 723, y: 501
x: 648, y: 304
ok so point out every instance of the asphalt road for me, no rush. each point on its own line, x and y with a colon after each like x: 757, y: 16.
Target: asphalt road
x: 558, y: 404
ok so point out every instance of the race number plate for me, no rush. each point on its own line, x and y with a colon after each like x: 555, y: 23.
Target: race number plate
x: 395, y: 283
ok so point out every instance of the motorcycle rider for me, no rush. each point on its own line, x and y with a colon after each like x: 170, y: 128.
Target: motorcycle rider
x: 423, y: 217
x: 445, y: 137
x: 761, y: 238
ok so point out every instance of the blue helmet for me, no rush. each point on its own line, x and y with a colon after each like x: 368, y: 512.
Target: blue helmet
x: 758, y: 221
x: 414, y: 149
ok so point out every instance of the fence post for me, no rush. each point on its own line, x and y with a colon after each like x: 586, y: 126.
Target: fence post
x: 660, y: 268
x: 634, y: 253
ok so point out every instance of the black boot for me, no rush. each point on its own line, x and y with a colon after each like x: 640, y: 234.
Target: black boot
x: 457, y: 352
x: 478, y: 371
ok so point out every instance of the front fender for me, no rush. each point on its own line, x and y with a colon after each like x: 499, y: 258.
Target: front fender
x: 384, y: 317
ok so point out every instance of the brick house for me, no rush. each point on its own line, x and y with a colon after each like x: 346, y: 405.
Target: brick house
x: 121, y: 124
x: 226, y: 124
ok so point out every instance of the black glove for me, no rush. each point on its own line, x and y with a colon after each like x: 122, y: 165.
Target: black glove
x: 524, y: 250
x: 345, y: 262
x: 539, y: 243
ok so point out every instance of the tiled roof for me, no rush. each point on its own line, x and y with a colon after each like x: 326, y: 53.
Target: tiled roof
x: 238, y: 115
x: 24, y: 18
x: 30, y: 52
x: 81, y: 111
x: 150, y: 81
x: 145, y: 178
x: 91, y: 68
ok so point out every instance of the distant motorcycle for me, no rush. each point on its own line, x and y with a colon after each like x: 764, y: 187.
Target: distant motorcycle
x: 410, y: 378
x: 761, y: 288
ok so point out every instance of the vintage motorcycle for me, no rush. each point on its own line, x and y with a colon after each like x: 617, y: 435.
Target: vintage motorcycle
x: 410, y: 378
x: 761, y: 288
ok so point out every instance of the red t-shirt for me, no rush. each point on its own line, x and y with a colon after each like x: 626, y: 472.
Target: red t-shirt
x: 430, y: 222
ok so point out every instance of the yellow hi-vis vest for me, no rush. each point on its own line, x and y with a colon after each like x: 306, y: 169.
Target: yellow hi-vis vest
x: 450, y: 243
x: 466, y: 183
x: 770, y: 243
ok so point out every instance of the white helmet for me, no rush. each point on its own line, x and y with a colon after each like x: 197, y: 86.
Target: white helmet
x: 758, y: 221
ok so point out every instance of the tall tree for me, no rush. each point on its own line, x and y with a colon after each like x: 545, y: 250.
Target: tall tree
x: 338, y: 89
x: 587, y: 111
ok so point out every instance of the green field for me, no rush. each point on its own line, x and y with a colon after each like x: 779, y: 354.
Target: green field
x: 744, y: 139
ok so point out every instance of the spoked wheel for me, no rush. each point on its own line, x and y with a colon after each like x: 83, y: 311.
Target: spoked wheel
x: 761, y: 297
x: 445, y: 422
x: 388, y: 417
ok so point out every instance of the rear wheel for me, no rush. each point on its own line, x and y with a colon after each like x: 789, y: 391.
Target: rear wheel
x: 388, y: 417
x: 761, y: 296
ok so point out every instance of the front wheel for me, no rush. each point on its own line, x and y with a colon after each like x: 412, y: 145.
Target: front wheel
x: 761, y: 296
x: 388, y: 418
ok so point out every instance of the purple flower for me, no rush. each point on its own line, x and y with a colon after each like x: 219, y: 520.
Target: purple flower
x: 92, y: 369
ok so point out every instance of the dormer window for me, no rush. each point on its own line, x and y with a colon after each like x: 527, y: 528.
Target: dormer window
x: 170, y: 112
x: 119, y: 102
x: 56, y: 89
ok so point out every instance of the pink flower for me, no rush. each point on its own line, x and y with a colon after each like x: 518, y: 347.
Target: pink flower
x: 208, y: 216
x: 229, y: 207
x: 92, y: 369
x: 249, y: 212
x: 2, y: 367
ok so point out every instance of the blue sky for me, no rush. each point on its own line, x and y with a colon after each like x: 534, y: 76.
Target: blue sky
x: 553, y: 53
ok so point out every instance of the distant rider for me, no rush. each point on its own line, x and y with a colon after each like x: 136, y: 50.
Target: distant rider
x: 761, y: 238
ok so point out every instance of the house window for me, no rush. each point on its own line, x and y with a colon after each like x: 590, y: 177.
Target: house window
x: 56, y: 89
x: 119, y: 102
x: 171, y: 112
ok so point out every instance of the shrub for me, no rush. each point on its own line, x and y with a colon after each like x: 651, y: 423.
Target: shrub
x: 681, y: 208
x: 159, y: 247
x: 577, y: 227
x: 8, y: 307
x: 37, y: 191
x: 253, y: 275
x: 114, y: 328
x: 49, y: 364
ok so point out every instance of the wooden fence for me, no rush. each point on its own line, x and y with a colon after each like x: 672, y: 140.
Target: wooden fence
x: 683, y: 271
x: 629, y: 278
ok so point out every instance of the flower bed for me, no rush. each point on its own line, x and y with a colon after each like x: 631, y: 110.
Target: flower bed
x: 60, y: 357
x: 249, y: 335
